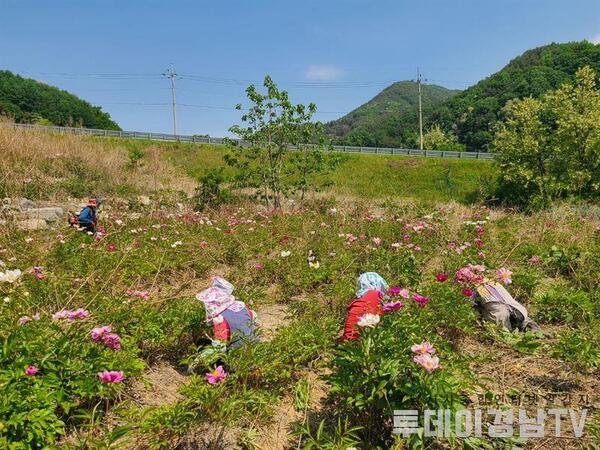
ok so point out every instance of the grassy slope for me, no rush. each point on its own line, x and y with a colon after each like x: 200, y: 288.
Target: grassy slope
x: 386, y: 176
x: 70, y: 165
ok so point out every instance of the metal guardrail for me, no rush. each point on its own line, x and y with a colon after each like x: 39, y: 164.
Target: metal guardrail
x: 220, y: 141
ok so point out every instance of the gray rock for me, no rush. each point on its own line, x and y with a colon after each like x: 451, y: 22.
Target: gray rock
x: 49, y: 214
x: 32, y: 224
x: 25, y: 203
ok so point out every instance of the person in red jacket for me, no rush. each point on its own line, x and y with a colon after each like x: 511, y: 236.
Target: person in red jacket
x: 233, y: 323
x: 372, y: 288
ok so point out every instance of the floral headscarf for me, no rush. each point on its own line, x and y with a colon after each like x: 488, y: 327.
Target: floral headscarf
x: 371, y: 281
x: 219, y: 298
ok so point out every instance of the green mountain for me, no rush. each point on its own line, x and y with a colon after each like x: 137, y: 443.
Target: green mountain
x: 31, y: 101
x: 474, y: 113
x: 390, y: 119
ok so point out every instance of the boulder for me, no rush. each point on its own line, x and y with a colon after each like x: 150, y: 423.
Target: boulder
x: 25, y: 203
x: 49, y: 214
x: 32, y: 224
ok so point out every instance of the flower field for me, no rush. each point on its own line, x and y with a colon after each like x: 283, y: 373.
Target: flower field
x: 84, y: 319
x: 104, y: 344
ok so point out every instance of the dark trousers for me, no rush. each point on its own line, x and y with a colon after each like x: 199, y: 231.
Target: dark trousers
x: 88, y: 227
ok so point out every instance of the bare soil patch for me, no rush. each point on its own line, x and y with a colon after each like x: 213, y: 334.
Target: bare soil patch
x: 158, y: 386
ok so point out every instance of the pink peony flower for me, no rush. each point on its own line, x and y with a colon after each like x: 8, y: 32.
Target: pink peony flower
x: 25, y: 319
x: 422, y: 348
x: 377, y: 241
x: 441, y: 277
x: 111, y: 376
x: 111, y: 248
x: 535, y: 260
x: 350, y: 238
x: 406, y: 237
x: 478, y: 242
x: 60, y: 315
x: 428, y: 362
x: 79, y: 313
x: 504, y: 275
x: 392, y: 306
x: 421, y: 300
x: 259, y: 266
x: 469, y: 274
x: 216, y: 376
x: 144, y: 295
x: 112, y: 341
x: 467, y: 292
x: 479, y: 230
x: 394, y: 291
x: 97, y: 333
x: 31, y: 371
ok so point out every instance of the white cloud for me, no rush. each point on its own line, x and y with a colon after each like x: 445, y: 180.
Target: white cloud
x: 324, y: 72
x: 595, y: 39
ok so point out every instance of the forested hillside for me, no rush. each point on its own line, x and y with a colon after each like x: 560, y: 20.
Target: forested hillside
x: 474, y: 112
x: 390, y: 118
x: 31, y: 101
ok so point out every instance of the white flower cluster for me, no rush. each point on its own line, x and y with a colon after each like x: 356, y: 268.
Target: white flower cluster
x: 10, y: 276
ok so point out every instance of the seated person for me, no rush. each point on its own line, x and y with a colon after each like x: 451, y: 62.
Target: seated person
x: 372, y: 288
x: 233, y: 323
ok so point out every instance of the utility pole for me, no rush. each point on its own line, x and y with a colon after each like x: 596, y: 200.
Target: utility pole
x: 419, y: 79
x: 170, y: 74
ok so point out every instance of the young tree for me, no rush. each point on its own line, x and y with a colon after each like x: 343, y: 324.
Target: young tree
x: 550, y: 148
x: 280, y: 151
x: 436, y: 139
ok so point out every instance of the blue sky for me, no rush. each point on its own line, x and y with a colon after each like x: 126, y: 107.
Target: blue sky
x: 336, y: 53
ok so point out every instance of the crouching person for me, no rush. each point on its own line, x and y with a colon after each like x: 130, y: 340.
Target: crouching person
x: 371, y: 289
x: 497, y: 305
x: 87, y: 219
x: 233, y: 323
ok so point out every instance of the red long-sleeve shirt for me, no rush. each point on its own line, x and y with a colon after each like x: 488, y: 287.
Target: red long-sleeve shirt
x: 222, y: 330
x: 367, y: 304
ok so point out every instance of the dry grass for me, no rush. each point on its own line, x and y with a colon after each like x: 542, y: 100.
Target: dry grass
x: 39, y: 165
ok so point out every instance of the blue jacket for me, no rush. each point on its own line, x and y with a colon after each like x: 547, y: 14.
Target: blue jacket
x: 87, y: 216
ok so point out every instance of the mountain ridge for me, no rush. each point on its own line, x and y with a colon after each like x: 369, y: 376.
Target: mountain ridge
x: 390, y: 118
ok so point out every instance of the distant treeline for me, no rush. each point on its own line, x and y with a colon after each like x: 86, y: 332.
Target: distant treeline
x: 30, y: 101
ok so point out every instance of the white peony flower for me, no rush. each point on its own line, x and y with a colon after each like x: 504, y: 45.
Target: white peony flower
x: 314, y: 265
x: 10, y: 276
x: 368, y: 320
x: 285, y: 253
